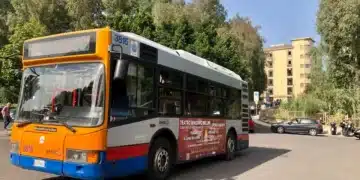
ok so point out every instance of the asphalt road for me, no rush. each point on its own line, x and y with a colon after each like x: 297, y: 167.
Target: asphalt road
x: 270, y: 157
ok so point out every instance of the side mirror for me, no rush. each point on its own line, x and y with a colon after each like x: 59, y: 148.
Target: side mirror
x: 121, y: 66
x: 121, y: 69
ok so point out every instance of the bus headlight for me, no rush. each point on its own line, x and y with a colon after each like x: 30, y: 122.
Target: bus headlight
x: 82, y: 156
x: 14, y: 147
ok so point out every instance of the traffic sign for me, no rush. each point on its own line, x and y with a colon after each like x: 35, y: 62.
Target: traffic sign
x: 256, y: 97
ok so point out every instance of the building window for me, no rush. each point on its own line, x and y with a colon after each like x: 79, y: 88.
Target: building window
x: 302, y: 75
x: 302, y: 65
x: 270, y: 74
x: 289, y: 63
x: 301, y: 47
x: 289, y: 53
x: 301, y: 56
x: 307, y: 65
x: 270, y: 54
x: 270, y: 64
x: 270, y: 92
x: 289, y: 90
x: 270, y: 83
x: 290, y: 81
x: 289, y: 72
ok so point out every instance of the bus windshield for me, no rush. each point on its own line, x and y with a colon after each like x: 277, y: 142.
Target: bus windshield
x: 66, y: 93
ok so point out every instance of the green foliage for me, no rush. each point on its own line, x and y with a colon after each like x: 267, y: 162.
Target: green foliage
x: 307, y: 104
x: 199, y: 27
x: 335, y: 89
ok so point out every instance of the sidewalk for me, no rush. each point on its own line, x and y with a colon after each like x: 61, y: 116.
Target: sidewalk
x: 3, y: 132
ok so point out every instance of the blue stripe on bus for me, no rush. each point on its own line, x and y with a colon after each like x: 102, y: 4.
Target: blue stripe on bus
x: 26, y: 162
x: 109, y: 169
x: 125, y: 167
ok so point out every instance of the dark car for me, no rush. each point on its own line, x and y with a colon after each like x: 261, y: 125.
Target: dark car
x: 298, y: 126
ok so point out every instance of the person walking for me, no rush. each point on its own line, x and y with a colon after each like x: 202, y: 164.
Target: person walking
x: 6, y: 115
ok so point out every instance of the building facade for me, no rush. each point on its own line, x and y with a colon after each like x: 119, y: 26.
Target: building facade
x: 288, y: 67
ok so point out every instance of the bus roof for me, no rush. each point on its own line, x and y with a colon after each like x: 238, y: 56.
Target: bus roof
x: 190, y: 63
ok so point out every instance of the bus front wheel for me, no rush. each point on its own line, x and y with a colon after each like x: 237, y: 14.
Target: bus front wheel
x: 161, y: 159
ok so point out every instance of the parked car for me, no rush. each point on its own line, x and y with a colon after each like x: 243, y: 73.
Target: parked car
x: 299, y: 126
x: 12, y: 113
x: 251, y: 126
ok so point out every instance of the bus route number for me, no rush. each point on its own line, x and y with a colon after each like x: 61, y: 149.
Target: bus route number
x: 121, y: 40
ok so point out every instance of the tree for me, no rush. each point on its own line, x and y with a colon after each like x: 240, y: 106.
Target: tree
x: 53, y: 14
x: 5, y: 8
x: 338, y: 23
x: 85, y: 14
x: 194, y: 27
x: 10, y: 74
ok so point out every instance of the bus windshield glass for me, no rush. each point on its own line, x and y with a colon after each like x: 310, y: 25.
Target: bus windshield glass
x: 65, y: 93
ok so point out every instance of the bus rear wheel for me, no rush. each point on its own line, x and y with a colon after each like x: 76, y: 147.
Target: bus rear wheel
x: 230, y: 146
x: 161, y: 160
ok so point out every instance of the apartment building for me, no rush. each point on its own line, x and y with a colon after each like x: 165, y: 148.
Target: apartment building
x: 288, y: 67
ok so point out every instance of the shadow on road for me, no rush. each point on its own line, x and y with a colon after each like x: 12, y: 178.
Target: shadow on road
x: 260, y: 129
x: 216, y: 169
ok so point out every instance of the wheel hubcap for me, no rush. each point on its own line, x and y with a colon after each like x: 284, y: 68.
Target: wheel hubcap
x: 312, y: 132
x: 231, y: 145
x: 161, y: 160
x: 280, y: 130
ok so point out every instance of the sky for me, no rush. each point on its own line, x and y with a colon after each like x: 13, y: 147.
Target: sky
x: 280, y: 20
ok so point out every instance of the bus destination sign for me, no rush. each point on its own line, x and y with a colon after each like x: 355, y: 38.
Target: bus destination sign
x: 65, y: 45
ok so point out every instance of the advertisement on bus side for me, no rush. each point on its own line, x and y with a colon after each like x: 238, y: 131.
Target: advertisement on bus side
x: 201, y: 137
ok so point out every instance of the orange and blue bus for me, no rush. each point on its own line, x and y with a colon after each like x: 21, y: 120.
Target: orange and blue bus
x: 99, y: 104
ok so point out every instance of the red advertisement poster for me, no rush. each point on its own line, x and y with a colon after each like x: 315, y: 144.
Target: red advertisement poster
x: 201, y: 137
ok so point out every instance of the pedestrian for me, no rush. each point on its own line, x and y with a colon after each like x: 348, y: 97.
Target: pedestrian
x: 6, y: 115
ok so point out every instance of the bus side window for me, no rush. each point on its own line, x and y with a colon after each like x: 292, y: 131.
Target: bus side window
x: 134, y: 95
x: 216, y: 101
x: 170, y: 93
x: 234, y: 105
x: 196, y: 104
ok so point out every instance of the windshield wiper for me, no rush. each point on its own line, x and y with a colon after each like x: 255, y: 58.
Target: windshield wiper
x: 23, y: 124
x: 63, y: 123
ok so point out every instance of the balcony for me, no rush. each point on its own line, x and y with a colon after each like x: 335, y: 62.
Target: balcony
x: 269, y: 64
x: 290, y: 82
x: 289, y: 91
x: 289, y: 72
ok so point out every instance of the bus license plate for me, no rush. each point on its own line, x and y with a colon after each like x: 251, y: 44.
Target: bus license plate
x: 39, y: 163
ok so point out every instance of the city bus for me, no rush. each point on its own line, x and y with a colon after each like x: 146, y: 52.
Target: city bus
x: 98, y: 104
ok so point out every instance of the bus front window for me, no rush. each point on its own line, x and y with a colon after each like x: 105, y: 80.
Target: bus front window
x: 70, y: 93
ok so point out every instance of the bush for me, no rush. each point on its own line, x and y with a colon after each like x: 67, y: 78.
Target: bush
x: 308, y: 104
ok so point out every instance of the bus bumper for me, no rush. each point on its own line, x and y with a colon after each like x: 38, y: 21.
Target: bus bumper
x: 105, y: 169
x: 74, y: 170
x: 242, y: 142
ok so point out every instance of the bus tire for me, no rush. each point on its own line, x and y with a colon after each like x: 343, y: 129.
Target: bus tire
x: 160, y: 159
x: 230, y: 146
